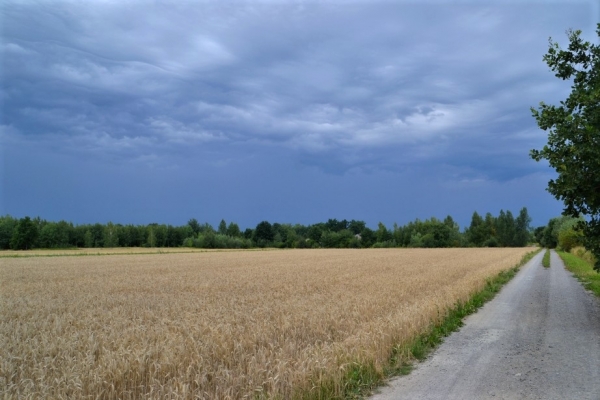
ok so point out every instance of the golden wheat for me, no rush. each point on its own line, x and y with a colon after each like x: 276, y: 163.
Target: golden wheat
x: 110, y: 251
x: 226, y: 325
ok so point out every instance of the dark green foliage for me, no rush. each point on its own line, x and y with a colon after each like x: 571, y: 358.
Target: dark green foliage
x: 522, y: 234
x: 549, y: 240
x: 24, y: 235
x: 565, y: 226
x: 503, y: 231
x: 573, y: 148
x: 538, y: 234
x: 233, y: 230
x: 382, y: 234
x: 194, y: 225
x: 429, y: 233
x: 341, y: 239
x: 476, y: 233
x: 7, y: 226
x: 367, y: 237
x: 505, y: 228
x: 88, y: 239
x: 222, y: 227
x: 97, y: 231
x: 212, y: 240
x: 315, y: 231
x: 263, y: 234
x: 160, y: 235
x: 334, y: 225
x: 331, y: 234
x: 56, y: 235
x: 111, y: 235
x: 356, y: 227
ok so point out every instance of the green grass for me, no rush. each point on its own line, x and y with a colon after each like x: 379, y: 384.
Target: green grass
x: 361, y: 379
x: 546, y: 259
x: 583, y: 270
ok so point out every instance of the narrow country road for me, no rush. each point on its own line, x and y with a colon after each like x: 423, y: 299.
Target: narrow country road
x: 538, y: 339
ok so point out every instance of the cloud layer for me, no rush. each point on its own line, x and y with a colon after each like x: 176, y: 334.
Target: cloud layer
x: 435, y: 88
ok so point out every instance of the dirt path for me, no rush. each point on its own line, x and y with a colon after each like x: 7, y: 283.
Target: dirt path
x: 538, y: 339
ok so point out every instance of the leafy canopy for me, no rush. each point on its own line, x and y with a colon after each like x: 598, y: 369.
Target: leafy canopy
x: 573, y: 148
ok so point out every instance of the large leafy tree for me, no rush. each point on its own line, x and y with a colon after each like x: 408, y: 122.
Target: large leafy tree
x: 573, y: 148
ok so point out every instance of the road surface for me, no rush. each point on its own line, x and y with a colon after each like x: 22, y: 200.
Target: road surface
x: 538, y: 339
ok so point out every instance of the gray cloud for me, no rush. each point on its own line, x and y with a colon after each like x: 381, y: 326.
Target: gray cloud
x: 345, y: 88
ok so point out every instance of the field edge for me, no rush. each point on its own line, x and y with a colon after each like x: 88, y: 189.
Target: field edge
x: 361, y: 379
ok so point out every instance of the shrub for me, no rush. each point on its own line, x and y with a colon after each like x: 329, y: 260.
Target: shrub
x: 569, y: 238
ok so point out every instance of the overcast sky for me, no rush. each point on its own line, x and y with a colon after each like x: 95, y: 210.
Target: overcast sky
x: 286, y: 111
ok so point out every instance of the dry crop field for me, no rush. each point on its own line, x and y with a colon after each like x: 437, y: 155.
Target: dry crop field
x: 105, y: 251
x: 226, y: 325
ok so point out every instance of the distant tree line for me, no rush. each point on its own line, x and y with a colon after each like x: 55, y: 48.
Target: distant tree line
x: 501, y: 231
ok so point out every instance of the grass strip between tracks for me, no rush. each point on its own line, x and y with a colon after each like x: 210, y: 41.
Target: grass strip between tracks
x: 546, y: 259
x: 361, y: 379
x: 582, y: 270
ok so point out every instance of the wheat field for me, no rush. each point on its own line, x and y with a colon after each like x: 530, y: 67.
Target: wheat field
x: 220, y: 325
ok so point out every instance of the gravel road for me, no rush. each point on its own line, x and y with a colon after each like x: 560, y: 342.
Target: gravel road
x: 538, y: 339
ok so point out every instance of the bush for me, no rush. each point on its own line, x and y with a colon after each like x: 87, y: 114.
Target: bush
x: 491, y: 242
x: 569, y: 238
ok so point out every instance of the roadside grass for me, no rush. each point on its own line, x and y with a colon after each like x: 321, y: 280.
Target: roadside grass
x: 361, y: 379
x: 546, y: 259
x: 583, y: 271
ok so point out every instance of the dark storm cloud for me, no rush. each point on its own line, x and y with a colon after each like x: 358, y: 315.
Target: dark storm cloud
x: 436, y: 88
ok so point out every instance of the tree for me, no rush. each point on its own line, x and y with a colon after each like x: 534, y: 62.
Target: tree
x: 477, y: 231
x: 7, y: 226
x: 151, y: 241
x: 111, y: 235
x: 315, y: 231
x: 522, y: 228
x: 356, y: 227
x: 367, y: 237
x: 88, y: 239
x: 222, y: 227
x: 382, y: 233
x: 548, y: 238
x: 573, y: 148
x: 24, y: 235
x: 505, y: 227
x: 233, y: 230
x: 263, y: 234
x: 193, y: 223
x: 538, y: 234
x: 490, y: 230
x: 55, y: 235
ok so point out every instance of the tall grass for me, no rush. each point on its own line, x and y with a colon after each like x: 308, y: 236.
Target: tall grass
x: 580, y: 262
x: 225, y: 325
x: 584, y: 254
